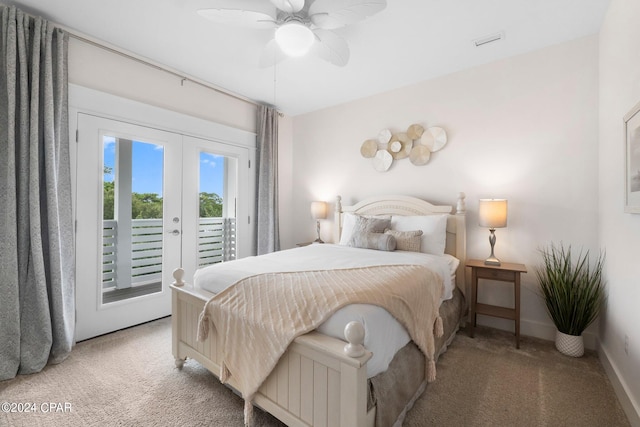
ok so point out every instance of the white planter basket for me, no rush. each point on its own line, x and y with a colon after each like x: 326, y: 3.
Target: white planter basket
x: 570, y: 345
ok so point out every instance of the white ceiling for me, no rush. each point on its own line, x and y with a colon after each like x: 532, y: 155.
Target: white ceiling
x: 408, y: 42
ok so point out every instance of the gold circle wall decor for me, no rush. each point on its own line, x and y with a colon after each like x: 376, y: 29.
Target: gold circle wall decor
x: 400, y: 146
x: 394, y: 147
x: 434, y: 138
x: 419, y: 155
x: 369, y: 148
x: 415, y: 131
x: 417, y: 143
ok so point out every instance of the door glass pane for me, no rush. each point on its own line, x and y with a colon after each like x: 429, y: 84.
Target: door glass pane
x: 217, y: 209
x: 132, y: 219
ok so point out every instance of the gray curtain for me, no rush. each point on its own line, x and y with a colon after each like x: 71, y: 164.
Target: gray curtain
x: 37, y: 301
x: 267, y: 232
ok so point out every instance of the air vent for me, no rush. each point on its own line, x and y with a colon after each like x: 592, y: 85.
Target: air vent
x: 488, y: 39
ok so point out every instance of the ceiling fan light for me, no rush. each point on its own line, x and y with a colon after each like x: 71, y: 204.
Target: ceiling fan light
x: 294, y: 38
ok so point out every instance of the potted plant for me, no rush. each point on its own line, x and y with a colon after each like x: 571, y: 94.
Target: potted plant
x: 573, y: 294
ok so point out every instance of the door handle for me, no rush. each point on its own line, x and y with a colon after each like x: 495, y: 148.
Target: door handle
x: 175, y: 232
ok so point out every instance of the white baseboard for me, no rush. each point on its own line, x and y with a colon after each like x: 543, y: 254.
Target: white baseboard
x: 535, y: 329
x: 630, y: 407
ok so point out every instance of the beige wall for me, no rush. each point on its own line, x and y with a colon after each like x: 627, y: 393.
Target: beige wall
x: 524, y: 128
x: 620, y: 232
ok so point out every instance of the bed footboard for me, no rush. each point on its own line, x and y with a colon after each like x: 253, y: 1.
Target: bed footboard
x: 314, y: 384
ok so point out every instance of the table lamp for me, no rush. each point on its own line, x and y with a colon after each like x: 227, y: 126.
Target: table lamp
x: 318, y: 212
x: 492, y: 213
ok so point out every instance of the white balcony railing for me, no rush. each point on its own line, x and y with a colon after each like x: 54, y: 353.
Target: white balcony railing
x: 216, y: 243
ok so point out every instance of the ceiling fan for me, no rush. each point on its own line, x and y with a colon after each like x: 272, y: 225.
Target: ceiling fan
x: 301, y: 26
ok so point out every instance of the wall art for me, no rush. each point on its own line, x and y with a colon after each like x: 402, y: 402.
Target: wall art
x: 632, y: 160
x: 416, y: 144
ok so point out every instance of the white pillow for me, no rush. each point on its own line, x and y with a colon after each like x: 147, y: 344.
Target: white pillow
x: 349, y: 221
x: 434, y: 230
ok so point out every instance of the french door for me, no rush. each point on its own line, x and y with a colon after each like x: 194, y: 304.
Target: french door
x: 149, y: 201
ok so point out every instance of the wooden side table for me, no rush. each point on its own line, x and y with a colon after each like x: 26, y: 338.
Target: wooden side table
x: 506, y: 272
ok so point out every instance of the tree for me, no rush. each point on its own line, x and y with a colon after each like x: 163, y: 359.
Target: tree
x: 146, y: 206
x: 210, y: 205
x: 149, y: 205
x: 108, y: 195
x: 108, y: 198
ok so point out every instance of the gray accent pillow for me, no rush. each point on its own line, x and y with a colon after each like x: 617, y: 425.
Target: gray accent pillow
x: 377, y: 241
x: 366, y: 224
x: 407, y: 240
x: 349, y: 221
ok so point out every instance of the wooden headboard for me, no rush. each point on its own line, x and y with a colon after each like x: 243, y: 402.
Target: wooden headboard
x: 456, y: 243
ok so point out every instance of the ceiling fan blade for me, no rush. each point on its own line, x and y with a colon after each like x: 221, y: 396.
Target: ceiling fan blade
x: 245, y: 13
x: 289, y: 6
x: 329, y: 14
x: 330, y: 47
x: 271, y: 55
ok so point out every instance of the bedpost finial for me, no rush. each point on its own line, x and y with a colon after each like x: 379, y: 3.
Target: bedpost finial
x: 354, y: 333
x: 178, y: 274
x: 461, y: 207
x: 338, y: 204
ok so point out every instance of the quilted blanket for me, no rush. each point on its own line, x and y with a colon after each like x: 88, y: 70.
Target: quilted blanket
x: 259, y: 316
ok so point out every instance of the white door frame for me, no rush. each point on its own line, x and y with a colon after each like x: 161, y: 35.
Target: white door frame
x: 94, y: 317
x: 191, y: 148
x: 85, y: 100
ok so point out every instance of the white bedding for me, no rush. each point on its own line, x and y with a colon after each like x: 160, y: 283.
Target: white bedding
x: 384, y: 336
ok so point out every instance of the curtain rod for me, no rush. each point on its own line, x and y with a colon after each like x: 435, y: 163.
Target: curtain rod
x: 150, y: 63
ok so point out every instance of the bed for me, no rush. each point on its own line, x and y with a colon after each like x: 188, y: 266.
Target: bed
x: 320, y: 381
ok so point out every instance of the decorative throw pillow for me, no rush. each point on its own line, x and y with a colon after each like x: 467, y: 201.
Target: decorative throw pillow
x: 365, y: 224
x: 377, y: 241
x: 407, y: 240
x: 349, y: 221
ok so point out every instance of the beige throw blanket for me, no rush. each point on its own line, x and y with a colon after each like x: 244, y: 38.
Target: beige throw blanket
x: 258, y: 317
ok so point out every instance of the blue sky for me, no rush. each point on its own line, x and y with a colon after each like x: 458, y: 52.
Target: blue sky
x: 147, y: 168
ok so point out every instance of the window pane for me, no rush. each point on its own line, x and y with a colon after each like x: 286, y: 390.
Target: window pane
x: 132, y: 219
x: 217, y: 195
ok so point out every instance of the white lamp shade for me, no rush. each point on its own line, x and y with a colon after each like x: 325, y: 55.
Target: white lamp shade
x: 492, y: 213
x: 319, y: 210
x: 294, y: 38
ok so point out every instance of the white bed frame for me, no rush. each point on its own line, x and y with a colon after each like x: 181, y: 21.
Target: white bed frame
x: 315, y: 383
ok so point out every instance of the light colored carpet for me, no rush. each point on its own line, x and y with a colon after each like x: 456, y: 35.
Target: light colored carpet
x: 128, y: 379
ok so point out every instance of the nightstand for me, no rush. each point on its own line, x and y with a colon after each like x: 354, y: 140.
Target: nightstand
x: 506, y: 272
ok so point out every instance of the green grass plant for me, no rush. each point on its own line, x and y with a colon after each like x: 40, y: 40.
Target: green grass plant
x: 573, y: 292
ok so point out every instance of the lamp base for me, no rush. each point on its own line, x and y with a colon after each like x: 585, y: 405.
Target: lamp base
x: 492, y: 261
x: 318, y: 240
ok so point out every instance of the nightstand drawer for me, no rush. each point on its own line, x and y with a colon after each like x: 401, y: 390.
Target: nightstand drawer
x: 492, y: 274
